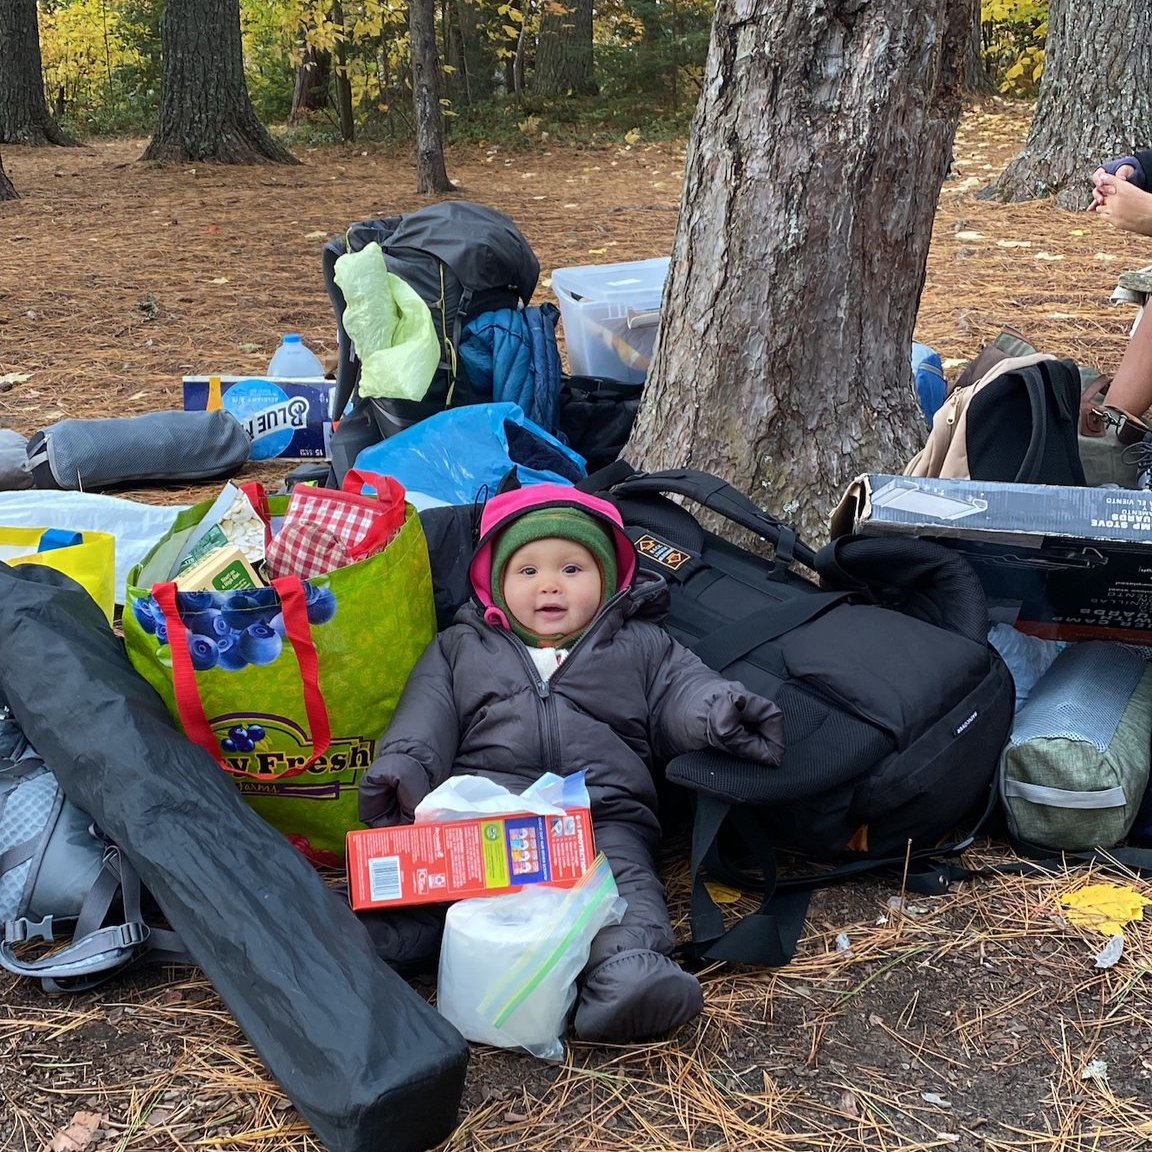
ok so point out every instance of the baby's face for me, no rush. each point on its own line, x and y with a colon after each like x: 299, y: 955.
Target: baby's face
x: 552, y: 586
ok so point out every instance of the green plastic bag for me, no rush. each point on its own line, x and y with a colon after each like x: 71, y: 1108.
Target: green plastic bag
x: 294, y: 703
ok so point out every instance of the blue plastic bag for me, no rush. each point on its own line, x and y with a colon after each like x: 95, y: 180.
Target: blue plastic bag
x: 462, y: 454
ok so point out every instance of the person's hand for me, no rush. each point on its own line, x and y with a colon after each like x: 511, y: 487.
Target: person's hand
x: 1124, y: 205
x: 748, y: 726
x: 1124, y: 168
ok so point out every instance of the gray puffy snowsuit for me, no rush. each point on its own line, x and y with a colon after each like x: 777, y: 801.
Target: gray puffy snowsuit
x: 626, y: 696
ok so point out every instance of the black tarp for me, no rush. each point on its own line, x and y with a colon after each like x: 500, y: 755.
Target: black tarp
x: 363, y: 1058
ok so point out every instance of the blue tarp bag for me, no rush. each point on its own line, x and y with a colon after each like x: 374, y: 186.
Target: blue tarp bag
x: 928, y: 373
x: 460, y: 454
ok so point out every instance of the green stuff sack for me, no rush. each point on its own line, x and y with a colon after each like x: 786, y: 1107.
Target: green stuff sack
x: 300, y: 680
x: 1076, y: 765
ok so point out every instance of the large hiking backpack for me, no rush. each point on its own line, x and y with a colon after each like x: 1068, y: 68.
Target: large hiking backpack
x: 895, y: 706
x: 463, y: 259
x: 58, y: 874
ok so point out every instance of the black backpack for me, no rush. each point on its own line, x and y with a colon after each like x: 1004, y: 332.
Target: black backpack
x: 895, y: 706
x: 462, y: 259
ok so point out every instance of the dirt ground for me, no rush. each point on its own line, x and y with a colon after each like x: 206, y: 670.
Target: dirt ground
x: 976, y: 1020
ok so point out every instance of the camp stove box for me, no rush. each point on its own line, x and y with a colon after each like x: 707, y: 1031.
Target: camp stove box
x: 287, y: 418
x: 1059, y: 563
x: 440, y: 861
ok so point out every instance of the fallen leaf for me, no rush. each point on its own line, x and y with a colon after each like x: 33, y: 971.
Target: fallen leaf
x: 1013, y: 243
x: 936, y: 1098
x: 1107, y: 257
x: 11, y: 378
x: 78, y: 1134
x: 849, y: 1105
x: 1105, y: 908
x: 597, y: 251
x: 1048, y: 256
x: 722, y: 894
x: 316, y: 236
x: 220, y: 280
x: 969, y: 235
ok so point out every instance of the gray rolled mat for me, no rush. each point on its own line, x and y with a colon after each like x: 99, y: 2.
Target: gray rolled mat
x: 365, y: 1060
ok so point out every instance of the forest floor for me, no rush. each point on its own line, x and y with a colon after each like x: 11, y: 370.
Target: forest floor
x: 974, y: 1020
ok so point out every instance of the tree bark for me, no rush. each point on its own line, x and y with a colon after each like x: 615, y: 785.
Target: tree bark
x: 564, y: 50
x: 310, y: 92
x: 343, y: 83
x: 1094, y: 101
x: 206, y: 113
x: 7, y: 189
x: 24, y: 115
x: 817, y: 154
x: 431, y: 174
x: 977, y: 81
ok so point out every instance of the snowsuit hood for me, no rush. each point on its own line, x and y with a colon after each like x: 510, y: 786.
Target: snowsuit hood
x: 502, y: 510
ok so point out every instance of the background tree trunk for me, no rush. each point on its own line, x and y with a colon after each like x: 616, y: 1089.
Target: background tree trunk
x: 817, y: 154
x: 431, y: 175
x: 1094, y: 103
x: 206, y: 114
x: 977, y: 81
x: 343, y: 82
x: 564, y: 50
x: 7, y: 189
x: 24, y: 115
x: 310, y: 92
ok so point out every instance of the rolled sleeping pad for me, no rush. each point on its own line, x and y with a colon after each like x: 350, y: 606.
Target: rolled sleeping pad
x: 365, y: 1060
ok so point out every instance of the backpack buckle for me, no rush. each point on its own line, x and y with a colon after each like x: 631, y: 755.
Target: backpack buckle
x: 22, y: 930
x: 131, y: 935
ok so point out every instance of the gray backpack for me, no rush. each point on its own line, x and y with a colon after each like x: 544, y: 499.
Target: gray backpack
x: 57, y: 871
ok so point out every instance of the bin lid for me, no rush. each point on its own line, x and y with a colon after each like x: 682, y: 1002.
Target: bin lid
x: 640, y: 282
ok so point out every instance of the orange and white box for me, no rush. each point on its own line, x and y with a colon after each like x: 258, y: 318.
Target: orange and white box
x: 439, y: 862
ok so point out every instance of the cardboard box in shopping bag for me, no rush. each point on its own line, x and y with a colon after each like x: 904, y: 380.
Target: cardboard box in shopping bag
x: 435, y: 862
x: 1057, y: 562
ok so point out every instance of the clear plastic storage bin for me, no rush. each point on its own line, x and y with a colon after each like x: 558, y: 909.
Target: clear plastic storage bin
x: 611, y: 313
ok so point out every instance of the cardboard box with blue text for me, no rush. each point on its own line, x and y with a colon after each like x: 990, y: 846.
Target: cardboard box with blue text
x: 1059, y: 563
x: 287, y: 418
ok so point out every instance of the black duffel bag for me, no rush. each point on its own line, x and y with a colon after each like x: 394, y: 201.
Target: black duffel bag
x: 895, y: 706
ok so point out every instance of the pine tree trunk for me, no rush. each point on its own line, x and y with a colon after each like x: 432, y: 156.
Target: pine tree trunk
x: 817, y: 155
x: 7, y: 189
x: 977, y: 81
x: 431, y: 174
x: 343, y: 83
x: 206, y: 114
x: 1095, y: 101
x: 310, y: 91
x: 24, y: 115
x: 564, y: 50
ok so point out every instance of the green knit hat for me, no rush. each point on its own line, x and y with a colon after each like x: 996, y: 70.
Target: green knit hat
x: 567, y: 524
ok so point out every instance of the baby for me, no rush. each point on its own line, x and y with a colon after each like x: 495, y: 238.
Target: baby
x: 563, y: 666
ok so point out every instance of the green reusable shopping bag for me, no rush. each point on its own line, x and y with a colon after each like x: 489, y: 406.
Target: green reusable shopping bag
x: 293, y: 701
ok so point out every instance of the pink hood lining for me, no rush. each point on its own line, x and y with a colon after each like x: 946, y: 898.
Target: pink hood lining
x: 501, y: 510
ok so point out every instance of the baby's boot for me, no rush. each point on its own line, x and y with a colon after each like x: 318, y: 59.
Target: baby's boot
x: 636, y: 995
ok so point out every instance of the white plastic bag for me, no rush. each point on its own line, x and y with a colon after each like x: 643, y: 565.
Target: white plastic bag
x: 508, y: 964
x: 468, y: 797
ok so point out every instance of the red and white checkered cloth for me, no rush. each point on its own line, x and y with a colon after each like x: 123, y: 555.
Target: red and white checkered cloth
x: 304, y: 549
x: 325, y: 528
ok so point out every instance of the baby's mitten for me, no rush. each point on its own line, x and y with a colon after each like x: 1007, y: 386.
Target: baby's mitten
x: 748, y: 726
x: 1138, y: 176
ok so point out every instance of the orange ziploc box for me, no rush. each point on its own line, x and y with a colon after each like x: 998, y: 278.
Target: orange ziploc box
x: 437, y: 862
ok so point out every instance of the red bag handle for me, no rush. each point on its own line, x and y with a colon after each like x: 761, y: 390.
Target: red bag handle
x: 189, y: 705
x: 387, y: 504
